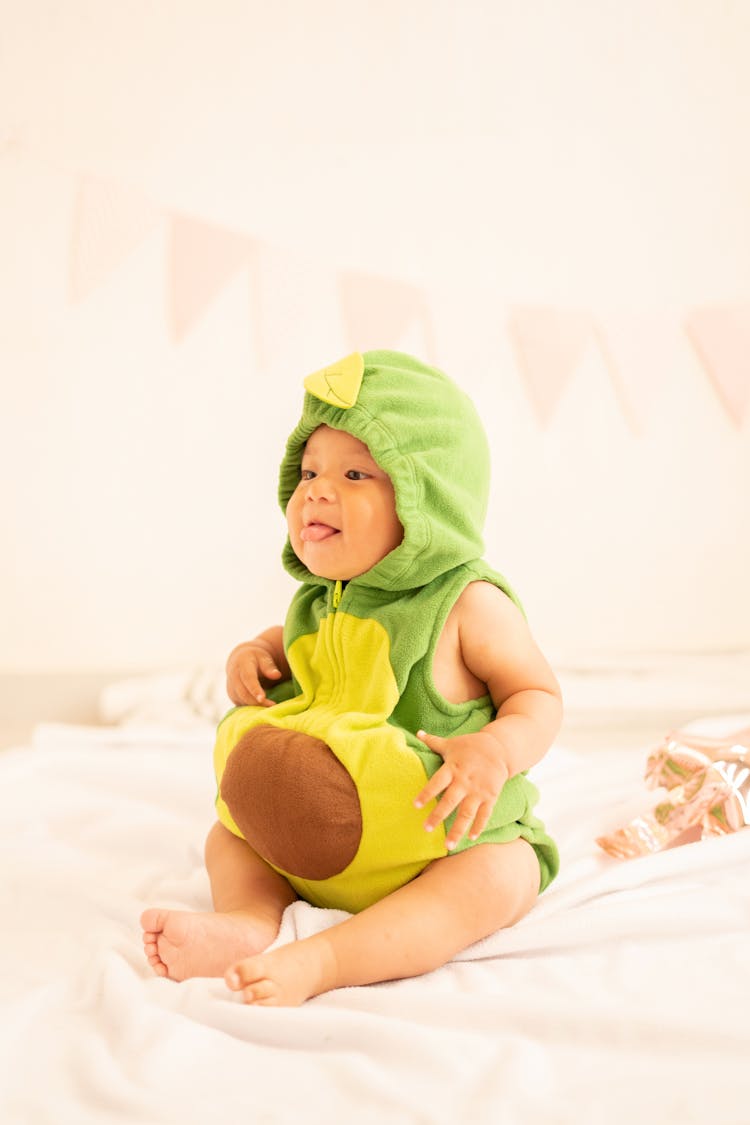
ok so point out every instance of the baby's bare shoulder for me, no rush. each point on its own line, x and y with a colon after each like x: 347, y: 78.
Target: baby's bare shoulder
x: 497, y: 645
x: 481, y: 601
x: 492, y: 632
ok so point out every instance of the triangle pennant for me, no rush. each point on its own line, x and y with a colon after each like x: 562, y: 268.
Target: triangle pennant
x: 108, y: 223
x: 720, y: 335
x: 549, y: 345
x: 379, y: 311
x: 638, y: 349
x: 202, y: 260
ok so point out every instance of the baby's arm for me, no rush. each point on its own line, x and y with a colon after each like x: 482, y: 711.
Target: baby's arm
x: 498, y: 649
x: 253, y: 665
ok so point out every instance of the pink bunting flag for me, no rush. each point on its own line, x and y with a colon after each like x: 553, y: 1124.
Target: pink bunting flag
x: 109, y: 221
x: 549, y: 345
x: 720, y: 335
x: 639, y: 350
x: 203, y: 259
x: 379, y: 311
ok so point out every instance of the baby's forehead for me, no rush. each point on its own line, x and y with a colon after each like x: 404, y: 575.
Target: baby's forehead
x: 325, y: 439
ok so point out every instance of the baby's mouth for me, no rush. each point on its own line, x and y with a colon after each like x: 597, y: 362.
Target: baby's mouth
x: 316, y: 532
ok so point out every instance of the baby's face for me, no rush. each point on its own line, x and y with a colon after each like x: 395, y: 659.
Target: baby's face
x: 342, y: 515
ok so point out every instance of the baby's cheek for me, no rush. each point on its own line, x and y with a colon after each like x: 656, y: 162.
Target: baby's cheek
x: 294, y: 523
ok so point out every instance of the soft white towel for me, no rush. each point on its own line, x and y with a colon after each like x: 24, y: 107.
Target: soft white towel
x: 622, y: 996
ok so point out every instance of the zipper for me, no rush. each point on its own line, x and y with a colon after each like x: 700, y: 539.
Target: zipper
x: 331, y: 649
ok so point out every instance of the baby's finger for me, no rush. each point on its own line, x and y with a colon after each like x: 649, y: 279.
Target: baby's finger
x: 481, y: 819
x: 252, y: 691
x: 447, y: 804
x: 439, y: 781
x: 267, y: 666
x: 237, y: 691
x: 465, y: 817
x: 434, y: 742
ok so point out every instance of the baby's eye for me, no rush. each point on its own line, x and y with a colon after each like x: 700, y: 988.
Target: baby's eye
x: 306, y: 474
x: 356, y: 474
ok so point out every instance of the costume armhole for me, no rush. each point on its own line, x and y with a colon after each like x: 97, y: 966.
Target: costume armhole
x: 464, y: 576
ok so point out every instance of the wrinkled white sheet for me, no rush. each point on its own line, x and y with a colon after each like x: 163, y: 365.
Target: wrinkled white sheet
x: 624, y: 996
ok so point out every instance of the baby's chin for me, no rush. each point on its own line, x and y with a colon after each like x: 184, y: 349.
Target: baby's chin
x: 320, y: 570
x: 318, y: 567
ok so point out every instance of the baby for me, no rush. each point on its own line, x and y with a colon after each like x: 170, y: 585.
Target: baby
x: 376, y: 759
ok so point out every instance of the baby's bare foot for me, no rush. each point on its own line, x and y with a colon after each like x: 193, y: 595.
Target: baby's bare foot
x: 179, y: 943
x: 286, y: 976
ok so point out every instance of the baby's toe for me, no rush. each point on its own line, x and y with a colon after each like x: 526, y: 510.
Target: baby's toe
x: 260, y: 992
x: 244, y: 973
x: 152, y: 920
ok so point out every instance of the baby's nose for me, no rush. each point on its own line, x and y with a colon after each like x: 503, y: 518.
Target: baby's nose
x: 320, y: 488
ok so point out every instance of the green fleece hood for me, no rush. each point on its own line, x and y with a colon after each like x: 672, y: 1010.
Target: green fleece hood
x: 426, y: 434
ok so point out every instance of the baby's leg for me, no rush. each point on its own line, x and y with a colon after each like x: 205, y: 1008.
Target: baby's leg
x: 249, y: 898
x: 453, y: 903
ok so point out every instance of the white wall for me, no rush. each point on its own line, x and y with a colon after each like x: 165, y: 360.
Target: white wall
x: 580, y: 154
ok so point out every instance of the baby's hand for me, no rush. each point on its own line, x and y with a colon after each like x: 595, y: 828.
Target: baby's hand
x: 470, y: 779
x: 249, y: 667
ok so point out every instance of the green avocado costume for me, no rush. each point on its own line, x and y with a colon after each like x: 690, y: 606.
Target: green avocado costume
x: 322, y: 784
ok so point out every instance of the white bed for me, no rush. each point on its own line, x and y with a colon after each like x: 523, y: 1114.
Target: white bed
x: 624, y: 996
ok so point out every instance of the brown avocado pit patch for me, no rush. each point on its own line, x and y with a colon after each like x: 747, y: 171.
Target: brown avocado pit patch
x: 293, y: 801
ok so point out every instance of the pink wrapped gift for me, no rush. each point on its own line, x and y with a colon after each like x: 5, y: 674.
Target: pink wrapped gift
x: 708, y: 794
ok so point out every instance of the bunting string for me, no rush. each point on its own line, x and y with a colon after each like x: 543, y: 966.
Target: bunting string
x: 549, y: 343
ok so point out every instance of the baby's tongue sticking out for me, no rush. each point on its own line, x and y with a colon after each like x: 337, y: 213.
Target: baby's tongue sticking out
x: 314, y: 532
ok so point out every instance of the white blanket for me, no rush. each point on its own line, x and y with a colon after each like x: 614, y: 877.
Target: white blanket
x: 624, y: 996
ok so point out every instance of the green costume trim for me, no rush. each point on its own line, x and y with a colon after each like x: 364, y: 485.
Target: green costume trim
x: 361, y: 657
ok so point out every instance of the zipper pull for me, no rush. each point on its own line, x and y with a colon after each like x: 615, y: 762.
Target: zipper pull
x: 337, y: 592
